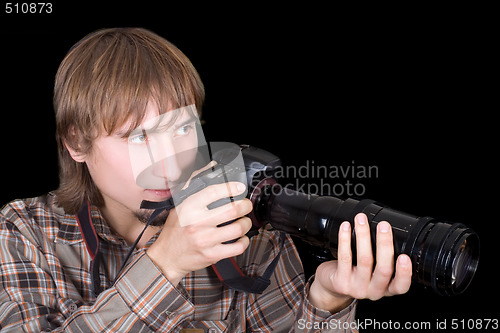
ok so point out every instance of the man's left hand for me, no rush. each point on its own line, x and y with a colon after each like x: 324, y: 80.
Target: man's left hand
x: 337, y: 282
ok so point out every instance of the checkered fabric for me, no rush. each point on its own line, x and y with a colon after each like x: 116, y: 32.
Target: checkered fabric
x: 46, y: 285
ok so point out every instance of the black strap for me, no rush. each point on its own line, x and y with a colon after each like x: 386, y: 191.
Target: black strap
x: 229, y: 273
x: 84, y: 219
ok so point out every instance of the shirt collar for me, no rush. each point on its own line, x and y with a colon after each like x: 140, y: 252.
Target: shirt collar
x: 103, y: 229
x: 69, y: 231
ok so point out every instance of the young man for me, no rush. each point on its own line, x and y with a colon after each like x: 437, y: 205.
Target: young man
x: 110, y: 83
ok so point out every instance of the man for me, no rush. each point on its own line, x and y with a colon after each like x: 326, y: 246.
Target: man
x: 110, y: 84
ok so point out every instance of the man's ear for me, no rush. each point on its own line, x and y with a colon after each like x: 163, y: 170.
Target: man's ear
x: 77, y: 155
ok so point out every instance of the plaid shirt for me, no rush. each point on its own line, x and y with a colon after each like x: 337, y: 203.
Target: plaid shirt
x: 46, y: 284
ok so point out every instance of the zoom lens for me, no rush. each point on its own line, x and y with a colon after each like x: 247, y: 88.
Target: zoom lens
x: 444, y: 255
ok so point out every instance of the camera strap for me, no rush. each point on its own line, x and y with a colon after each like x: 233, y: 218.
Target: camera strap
x: 230, y: 274
x: 84, y: 219
x: 227, y: 270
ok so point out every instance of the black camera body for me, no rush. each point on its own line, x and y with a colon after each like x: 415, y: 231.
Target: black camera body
x: 444, y: 255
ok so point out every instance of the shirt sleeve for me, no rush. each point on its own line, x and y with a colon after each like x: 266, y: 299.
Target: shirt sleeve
x: 312, y: 319
x: 141, y: 297
x: 34, y: 296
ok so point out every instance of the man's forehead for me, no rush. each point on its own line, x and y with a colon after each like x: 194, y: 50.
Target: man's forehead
x: 153, y: 119
x: 166, y: 120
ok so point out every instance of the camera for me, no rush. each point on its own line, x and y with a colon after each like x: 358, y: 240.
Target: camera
x: 444, y: 255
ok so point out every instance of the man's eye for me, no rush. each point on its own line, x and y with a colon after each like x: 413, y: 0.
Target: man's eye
x: 184, y: 130
x: 138, y: 139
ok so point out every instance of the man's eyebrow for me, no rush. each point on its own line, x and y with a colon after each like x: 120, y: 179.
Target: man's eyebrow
x: 190, y: 120
x: 124, y: 133
x: 158, y: 127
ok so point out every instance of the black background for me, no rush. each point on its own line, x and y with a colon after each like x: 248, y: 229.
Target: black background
x: 408, y: 89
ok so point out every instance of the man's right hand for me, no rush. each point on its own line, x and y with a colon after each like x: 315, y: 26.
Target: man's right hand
x: 199, y: 242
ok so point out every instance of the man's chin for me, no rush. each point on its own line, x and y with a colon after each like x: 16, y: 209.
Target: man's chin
x: 144, y: 215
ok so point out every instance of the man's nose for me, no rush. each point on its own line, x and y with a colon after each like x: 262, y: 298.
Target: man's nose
x: 168, y: 166
x: 168, y: 169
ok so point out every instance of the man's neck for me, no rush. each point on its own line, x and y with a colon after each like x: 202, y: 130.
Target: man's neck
x: 124, y: 222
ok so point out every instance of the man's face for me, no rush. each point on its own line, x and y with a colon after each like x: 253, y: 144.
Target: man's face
x: 146, y: 165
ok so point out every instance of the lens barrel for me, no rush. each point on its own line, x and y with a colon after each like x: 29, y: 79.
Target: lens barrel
x: 444, y: 255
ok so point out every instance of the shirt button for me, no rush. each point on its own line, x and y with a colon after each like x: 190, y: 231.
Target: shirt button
x: 72, y: 307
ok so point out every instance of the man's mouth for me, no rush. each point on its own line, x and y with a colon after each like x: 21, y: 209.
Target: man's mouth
x: 159, y: 194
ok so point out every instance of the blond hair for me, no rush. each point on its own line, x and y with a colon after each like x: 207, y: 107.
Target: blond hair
x: 105, y: 81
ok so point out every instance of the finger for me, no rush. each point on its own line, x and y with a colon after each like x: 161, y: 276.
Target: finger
x: 385, y: 261
x: 402, y: 279
x: 216, y: 192
x: 229, y: 211
x: 344, y: 253
x: 225, y: 213
x: 206, y: 237
x: 364, y: 266
x: 195, y: 210
x: 222, y: 251
x: 233, y: 230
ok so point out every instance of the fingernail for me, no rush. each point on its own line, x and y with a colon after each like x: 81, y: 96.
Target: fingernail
x: 404, y: 260
x: 384, y: 227
x: 346, y: 226
x: 241, y: 187
x: 361, y: 219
